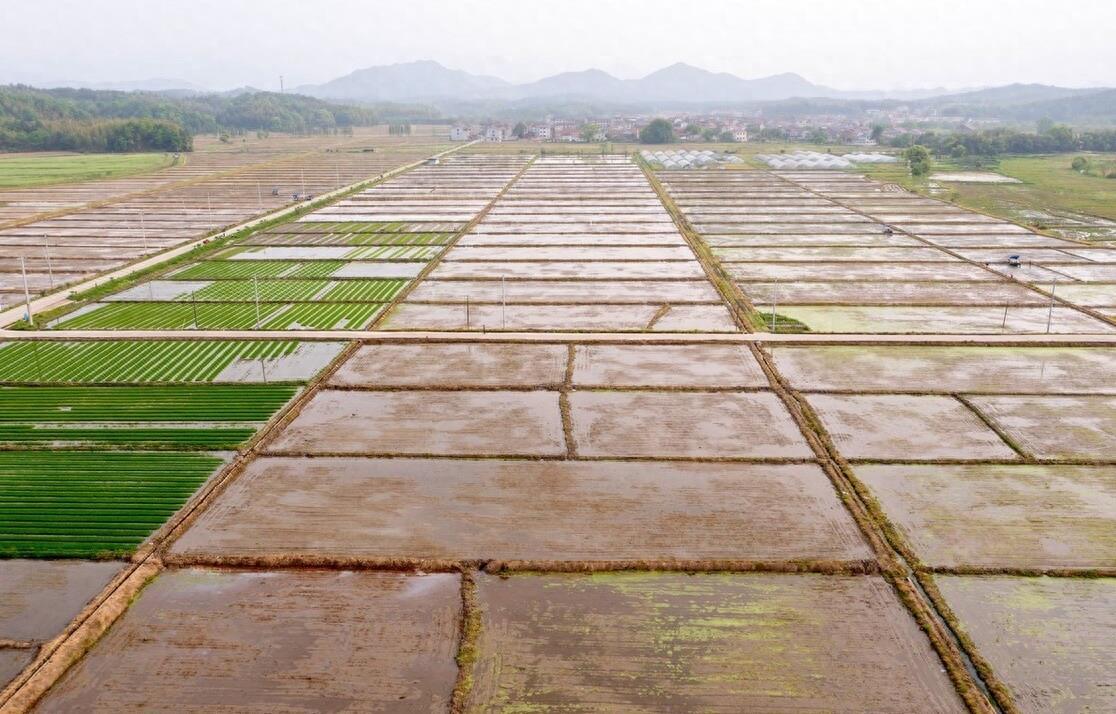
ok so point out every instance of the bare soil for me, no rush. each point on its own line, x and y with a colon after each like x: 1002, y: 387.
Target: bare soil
x: 711, y: 366
x: 38, y: 598
x: 473, y: 365
x: 892, y: 426
x: 1053, y: 427
x: 1049, y: 370
x: 711, y: 643
x: 200, y: 640
x: 998, y: 516
x: 427, y: 422
x: 527, y: 510
x: 1049, y: 639
x: 685, y: 424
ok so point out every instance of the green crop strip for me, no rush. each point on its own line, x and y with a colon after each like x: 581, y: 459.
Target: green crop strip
x: 170, y: 316
x: 220, y: 269
x: 247, y: 290
x: 393, y: 252
x: 146, y: 436
x: 325, y: 316
x: 178, y: 403
x: 364, y: 290
x: 91, y: 504
x: 130, y: 362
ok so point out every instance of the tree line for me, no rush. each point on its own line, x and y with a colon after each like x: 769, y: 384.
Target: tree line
x: 992, y: 142
x: 100, y: 120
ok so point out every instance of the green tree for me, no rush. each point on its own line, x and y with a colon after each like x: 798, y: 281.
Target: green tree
x: 877, y: 132
x: 658, y: 131
x: 519, y: 130
x: 918, y: 158
x: 588, y: 132
x: 1079, y: 163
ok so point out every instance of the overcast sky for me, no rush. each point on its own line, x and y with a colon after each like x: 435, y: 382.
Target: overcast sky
x: 866, y: 44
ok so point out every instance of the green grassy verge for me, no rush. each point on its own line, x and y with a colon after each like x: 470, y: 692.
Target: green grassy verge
x: 27, y: 170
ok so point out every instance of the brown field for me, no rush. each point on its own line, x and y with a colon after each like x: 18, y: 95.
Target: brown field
x: 896, y: 426
x: 1049, y: 639
x: 684, y: 424
x: 661, y: 642
x: 709, y: 366
x: 39, y: 598
x: 1052, y: 427
x: 546, y: 318
x: 92, y: 227
x: 997, y: 370
x: 430, y: 422
x: 200, y: 640
x: 1000, y: 516
x: 527, y: 510
x: 442, y: 365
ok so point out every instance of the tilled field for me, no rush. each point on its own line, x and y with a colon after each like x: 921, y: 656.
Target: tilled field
x: 69, y: 233
x: 575, y: 243
x: 835, y: 252
x: 561, y: 522
x: 336, y: 268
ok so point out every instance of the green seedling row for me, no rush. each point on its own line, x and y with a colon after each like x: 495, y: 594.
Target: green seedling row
x: 363, y: 290
x: 157, y: 403
x: 171, y: 316
x: 150, y: 437
x: 91, y: 503
x: 393, y: 252
x: 130, y: 361
x: 325, y: 316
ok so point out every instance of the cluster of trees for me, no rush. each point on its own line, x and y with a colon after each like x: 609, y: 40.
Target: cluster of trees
x: 918, y: 159
x: 1093, y: 167
x: 657, y: 131
x: 399, y: 129
x: 96, y: 120
x: 1049, y: 140
x: 99, y: 136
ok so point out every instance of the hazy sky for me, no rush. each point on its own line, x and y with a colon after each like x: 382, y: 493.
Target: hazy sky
x: 866, y: 44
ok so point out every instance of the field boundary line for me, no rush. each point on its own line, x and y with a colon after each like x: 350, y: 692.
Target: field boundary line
x: 869, y: 516
x: 622, y: 337
x: 57, y: 656
x: 733, y: 298
x: 1053, y: 297
x: 60, y: 297
x: 433, y: 263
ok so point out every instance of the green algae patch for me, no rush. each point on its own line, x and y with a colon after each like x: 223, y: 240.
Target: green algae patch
x: 709, y: 642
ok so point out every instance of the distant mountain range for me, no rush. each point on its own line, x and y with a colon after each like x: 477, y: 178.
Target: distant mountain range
x: 427, y: 80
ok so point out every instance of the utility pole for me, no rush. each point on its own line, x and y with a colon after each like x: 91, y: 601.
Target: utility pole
x: 259, y: 196
x: 194, y: 305
x: 774, y: 305
x: 256, y: 289
x: 143, y: 231
x: 26, y: 289
x: 1050, y: 312
x: 281, y: 84
x: 46, y: 252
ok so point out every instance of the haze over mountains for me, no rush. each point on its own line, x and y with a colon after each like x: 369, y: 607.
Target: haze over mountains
x: 427, y: 80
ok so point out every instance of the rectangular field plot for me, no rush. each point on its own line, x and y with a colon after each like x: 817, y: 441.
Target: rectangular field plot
x: 996, y: 370
x: 1001, y: 516
x: 521, y: 292
x: 696, y: 366
x: 199, y: 640
x: 943, y: 320
x: 527, y: 510
x: 894, y: 426
x: 893, y: 293
x: 1048, y: 639
x: 449, y: 365
x: 684, y: 424
x: 573, y: 317
x: 226, y: 315
x: 711, y: 643
x: 38, y: 598
x: 90, y: 504
x: 1052, y: 427
x: 195, y: 416
x: 426, y: 422
x: 130, y: 362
